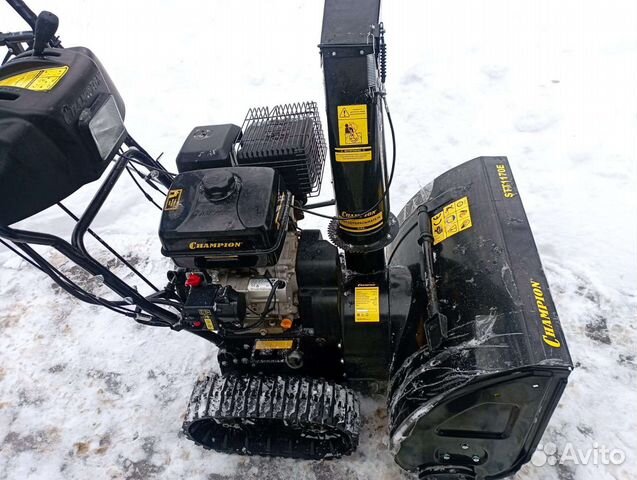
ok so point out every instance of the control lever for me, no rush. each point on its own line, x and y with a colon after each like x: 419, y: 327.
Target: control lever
x: 45, y: 27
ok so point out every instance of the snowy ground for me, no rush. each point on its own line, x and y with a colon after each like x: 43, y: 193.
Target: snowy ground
x: 553, y: 85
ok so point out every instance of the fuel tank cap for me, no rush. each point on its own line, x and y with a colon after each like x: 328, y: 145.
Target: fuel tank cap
x: 218, y: 185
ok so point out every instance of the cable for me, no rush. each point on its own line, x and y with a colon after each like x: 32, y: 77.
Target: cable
x: 144, y: 192
x: 165, y: 177
x: 20, y: 254
x: 391, y: 177
x: 237, y: 179
x: 71, y: 287
x: 152, y: 169
x: 110, y: 249
x: 147, y: 178
x: 153, y: 323
x: 132, y: 142
x: 34, y: 259
x: 268, y: 307
x: 272, y: 296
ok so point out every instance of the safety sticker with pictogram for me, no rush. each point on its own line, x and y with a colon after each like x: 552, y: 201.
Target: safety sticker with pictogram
x: 366, y: 304
x: 454, y: 217
x: 39, y: 80
x: 352, y: 125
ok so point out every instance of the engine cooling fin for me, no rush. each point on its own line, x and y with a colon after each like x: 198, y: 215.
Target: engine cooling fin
x: 295, y: 417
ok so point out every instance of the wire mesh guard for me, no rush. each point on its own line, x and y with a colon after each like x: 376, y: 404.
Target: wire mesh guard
x: 290, y: 139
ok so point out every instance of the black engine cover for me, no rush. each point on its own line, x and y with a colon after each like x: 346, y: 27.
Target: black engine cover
x: 225, y: 217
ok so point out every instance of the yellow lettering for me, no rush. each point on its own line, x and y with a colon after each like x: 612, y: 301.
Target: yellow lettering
x: 552, y: 342
x: 545, y: 317
x: 197, y: 246
x: 505, y: 182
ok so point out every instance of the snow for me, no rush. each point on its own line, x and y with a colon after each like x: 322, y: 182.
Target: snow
x: 85, y: 393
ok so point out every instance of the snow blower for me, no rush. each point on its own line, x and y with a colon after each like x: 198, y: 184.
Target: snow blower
x: 444, y: 306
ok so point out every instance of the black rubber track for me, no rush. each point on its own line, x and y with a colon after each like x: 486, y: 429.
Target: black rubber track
x: 283, y: 416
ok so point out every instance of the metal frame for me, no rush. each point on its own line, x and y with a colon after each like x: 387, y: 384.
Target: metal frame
x: 77, y: 252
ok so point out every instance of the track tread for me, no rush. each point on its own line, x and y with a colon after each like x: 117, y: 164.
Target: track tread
x: 275, y: 416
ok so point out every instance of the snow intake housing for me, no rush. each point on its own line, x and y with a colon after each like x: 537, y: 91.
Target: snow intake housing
x: 479, y: 403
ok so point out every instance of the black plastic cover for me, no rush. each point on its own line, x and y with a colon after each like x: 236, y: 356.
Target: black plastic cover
x: 44, y: 154
x: 223, y: 217
x: 199, y: 307
x: 221, y: 305
x: 208, y: 146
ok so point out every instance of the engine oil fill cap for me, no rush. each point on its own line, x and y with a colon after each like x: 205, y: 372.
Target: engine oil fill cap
x: 218, y: 185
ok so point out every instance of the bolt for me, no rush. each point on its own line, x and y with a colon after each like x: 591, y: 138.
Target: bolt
x: 333, y: 54
x: 464, y: 446
x: 340, y: 345
x: 475, y: 459
x: 235, y: 361
x: 362, y: 52
x: 389, y: 236
x: 446, y: 456
x: 224, y: 363
x: 244, y: 361
x: 536, y: 386
x: 246, y: 346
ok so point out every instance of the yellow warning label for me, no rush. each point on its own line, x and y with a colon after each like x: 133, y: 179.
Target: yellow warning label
x: 352, y: 125
x: 273, y: 345
x: 366, y: 304
x: 353, y: 154
x: 363, y: 224
x: 41, y: 80
x: 207, y: 319
x: 172, y: 199
x: 455, y: 217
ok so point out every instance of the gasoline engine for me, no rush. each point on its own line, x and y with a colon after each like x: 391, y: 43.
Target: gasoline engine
x: 444, y: 306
